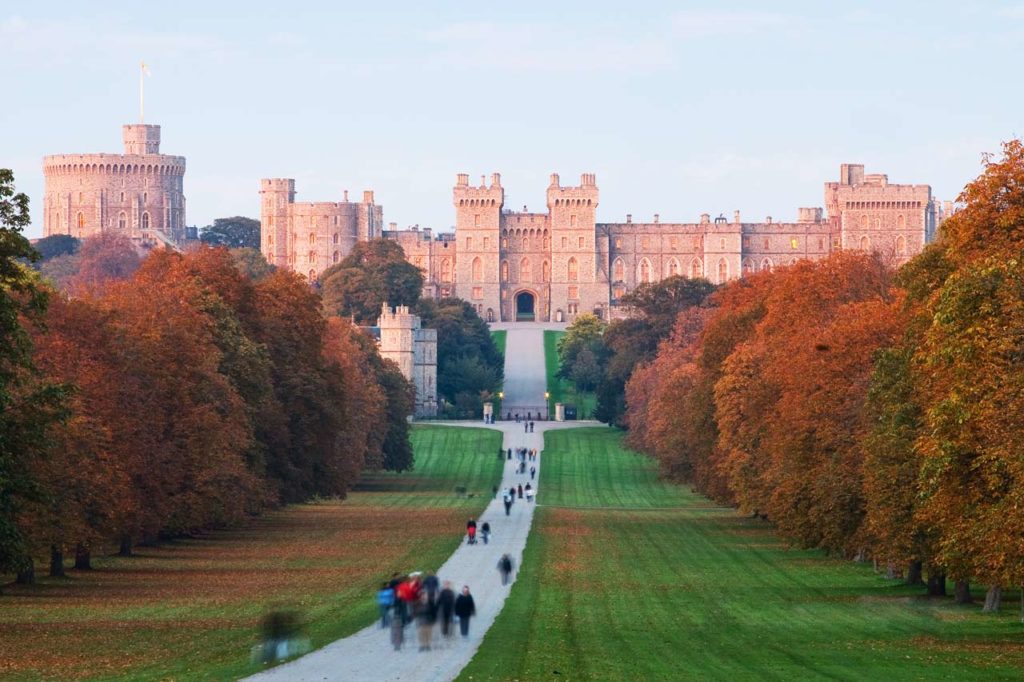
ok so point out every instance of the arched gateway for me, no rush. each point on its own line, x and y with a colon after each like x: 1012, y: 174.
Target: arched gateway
x: 526, y: 306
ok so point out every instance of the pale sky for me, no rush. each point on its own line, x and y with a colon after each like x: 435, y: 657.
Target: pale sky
x: 679, y: 108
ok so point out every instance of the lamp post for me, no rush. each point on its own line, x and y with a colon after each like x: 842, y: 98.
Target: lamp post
x: 547, y: 405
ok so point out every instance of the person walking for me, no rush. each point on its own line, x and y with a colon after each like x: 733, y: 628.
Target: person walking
x: 485, y: 532
x: 505, y: 568
x: 385, y: 601
x: 520, y: 491
x: 471, y: 531
x: 529, y: 492
x: 507, y: 500
x: 446, y: 607
x: 424, y: 614
x: 464, y: 608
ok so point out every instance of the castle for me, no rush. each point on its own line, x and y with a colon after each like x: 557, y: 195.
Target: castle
x: 138, y: 193
x: 414, y: 350
x: 555, y: 265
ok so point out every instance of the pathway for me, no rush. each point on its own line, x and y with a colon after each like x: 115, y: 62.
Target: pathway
x: 368, y: 655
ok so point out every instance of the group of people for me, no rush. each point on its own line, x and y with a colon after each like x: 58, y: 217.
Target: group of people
x: 425, y: 601
x: 485, y: 532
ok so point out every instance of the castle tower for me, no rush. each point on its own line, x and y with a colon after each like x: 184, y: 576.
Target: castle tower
x: 138, y: 193
x: 276, y: 197
x: 414, y: 350
x: 576, y: 270
x: 478, y: 225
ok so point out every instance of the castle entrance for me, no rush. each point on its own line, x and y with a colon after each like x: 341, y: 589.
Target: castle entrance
x: 526, y: 304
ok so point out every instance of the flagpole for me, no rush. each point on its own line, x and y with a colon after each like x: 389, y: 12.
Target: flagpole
x: 142, y: 92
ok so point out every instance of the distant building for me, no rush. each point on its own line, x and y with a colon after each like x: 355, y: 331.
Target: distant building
x: 414, y: 350
x: 138, y: 193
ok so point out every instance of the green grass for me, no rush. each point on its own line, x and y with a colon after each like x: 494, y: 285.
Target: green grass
x: 625, y: 577
x: 560, y: 390
x: 500, y: 338
x: 189, y: 609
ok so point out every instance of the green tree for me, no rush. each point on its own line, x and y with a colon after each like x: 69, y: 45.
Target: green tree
x: 28, y: 407
x: 376, y: 272
x: 467, y: 359
x: 251, y: 263
x: 236, y: 232
x: 57, y: 245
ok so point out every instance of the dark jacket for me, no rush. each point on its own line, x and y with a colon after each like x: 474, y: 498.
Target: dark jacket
x: 464, y: 606
x: 446, y: 602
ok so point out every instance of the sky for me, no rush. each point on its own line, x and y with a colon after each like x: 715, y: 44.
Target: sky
x: 680, y: 108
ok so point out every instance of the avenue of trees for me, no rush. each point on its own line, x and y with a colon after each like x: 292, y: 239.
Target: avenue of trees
x: 470, y: 368
x: 872, y: 413
x: 148, y: 398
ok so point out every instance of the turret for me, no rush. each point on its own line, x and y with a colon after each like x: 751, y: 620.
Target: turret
x: 276, y: 195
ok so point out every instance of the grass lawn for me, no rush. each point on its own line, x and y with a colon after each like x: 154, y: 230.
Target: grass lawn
x: 500, y: 338
x: 563, y: 391
x: 189, y: 609
x: 626, y: 577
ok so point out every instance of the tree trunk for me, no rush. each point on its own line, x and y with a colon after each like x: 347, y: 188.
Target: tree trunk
x: 27, y: 574
x: 890, y: 571
x: 83, y: 558
x: 914, y: 573
x: 993, y: 599
x: 936, y: 584
x: 963, y: 592
x: 126, y: 545
x: 56, y: 562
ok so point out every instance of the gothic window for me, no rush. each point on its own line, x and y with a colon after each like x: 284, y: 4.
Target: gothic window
x: 446, y: 270
x: 618, y: 270
x: 723, y: 271
x: 122, y: 221
x: 524, y: 270
x: 504, y: 271
x: 748, y: 266
x: 766, y: 265
x: 335, y: 238
x: 145, y: 197
x: 864, y: 222
x: 573, y: 270
x: 901, y: 245
x: 312, y: 238
x: 645, y: 271
x: 478, y: 270
x: 122, y: 197
x: 145, y: 220
x: 901, y: 222
x: 696, y: 269
x: 526, y: 243
x: 878, y: 223
x: 311, y: 257
x: 547, y: 271
x: 865, y: 244
x: 336, y: 257
x: 673, y: 267
x: 767, y: 243
x: 504, y: 243
x: 81, y: 220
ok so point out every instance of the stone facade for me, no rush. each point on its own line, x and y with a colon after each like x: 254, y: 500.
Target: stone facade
x: 139, y: 193
x: 555, y: 265
x: 309, y: 237
x: 414, y: 350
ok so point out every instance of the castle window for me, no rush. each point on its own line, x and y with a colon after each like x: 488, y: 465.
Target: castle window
x: 746, y: 242
x: 487, y: 243
x: 476, y: 220
x: 81, y: 197
x: 572, y: 221
x: 504, y: 271
x: 901, y: 245
x: 573, y: 270
x: 821, y: 243
x: 698, y: 243
x: 270, y: 240
x: 766, y: 265
x: 446, y: 270
x: 122, y: 221
x: 618, y: 242
x: 335, y: 238
x: 336, y: 257
x: 645, y: 242
x: 673, y: 243
x: 547, y: 242
x: 673, y: 267
x: 574, y: 292
x: 526, y: 243
x: 312, y: 275
x: 122, y: 197
x: 546, y: 271
x: 645, y: 271
x: 865, y: 244
x: 864, y: 222
x: 794, y: 243
x: 723, y: 271
x: 696, y: 269
x: 145, y: 220
x: 748, y: 266
x: 478, y: 270
x: 618, y: 270
x: 312, y: 238
x: 311, y: 257
x: 721, y: 244
x: 767, y: 243
x: 878, y: 223
x: 504, y: 243
x: 81, y: 219
x: 582, y: 242
x: 478, y: 293
x: 525, y: 271
x: 145, y: 197
x: 565, y: 242
x: 901, y: 222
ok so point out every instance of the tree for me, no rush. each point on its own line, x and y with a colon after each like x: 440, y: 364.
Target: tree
x: 104, y: 258
x: 376, y: 272
x: 583, y: 334
x: 57, y: 245
x: 586, y: 371
x: 251, y: 263
x: 235, y: 232
x: 28, y: 406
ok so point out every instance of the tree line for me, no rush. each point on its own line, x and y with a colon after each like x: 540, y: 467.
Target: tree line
x: 872, y: 412
x: 149, y: 398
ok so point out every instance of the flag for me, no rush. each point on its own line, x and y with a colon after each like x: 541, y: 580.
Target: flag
x: 145, y: 69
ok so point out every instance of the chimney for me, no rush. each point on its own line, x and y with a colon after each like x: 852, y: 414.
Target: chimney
x: 462, y: 180
x: 393, y: 227
x: 705, y: 218
x: 629, y: 218
x: 656, y: 217
x: 495, y: 180
x: 345, y: 194
x: 768, y: 220
x: 588, y: 180
x: 554, y: 180
x: 736, y: 217
x: 483, y: 182
x: 368, y: 196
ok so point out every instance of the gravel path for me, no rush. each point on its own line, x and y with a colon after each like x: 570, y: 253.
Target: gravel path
x: 368, y: 655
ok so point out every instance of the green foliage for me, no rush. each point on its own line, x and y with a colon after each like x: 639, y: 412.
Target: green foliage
x: 563, y: 390
x: 251, y: 263
x: 236, y: 232
x: 57, y: 245
x: 626, y: 577
x: 376, y: 272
